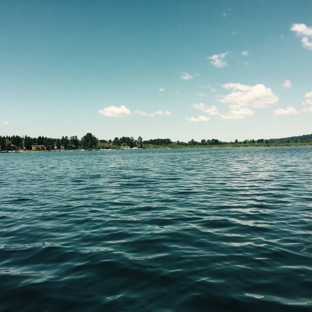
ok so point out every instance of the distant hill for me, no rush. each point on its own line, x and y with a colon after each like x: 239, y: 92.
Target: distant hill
x: 297, y: 139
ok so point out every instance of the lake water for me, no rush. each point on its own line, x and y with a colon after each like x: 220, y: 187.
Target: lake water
x: 157, y: 230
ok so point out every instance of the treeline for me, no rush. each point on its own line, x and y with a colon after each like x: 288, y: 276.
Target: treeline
x: 89, y: 141
x: 295, y: 139
x: 131, y: 142
x: 15, y: 142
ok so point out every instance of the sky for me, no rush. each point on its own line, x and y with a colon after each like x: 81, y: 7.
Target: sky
x: 157, y: 69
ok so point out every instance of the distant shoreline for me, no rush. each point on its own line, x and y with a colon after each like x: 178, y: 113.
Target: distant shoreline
x: 221, y: 145
x: 90, y: 142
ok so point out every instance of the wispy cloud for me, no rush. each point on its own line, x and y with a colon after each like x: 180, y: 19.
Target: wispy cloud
x: 5, y: 123
x: 212, y: 89
x: 187, y: 76
x: 162, y: 89
x: 304, y: 31
x: 200, y: 118
x: 286, y: 84
x: 244, y: 95
x: 245, y: 53
x: 122, y: 111
x: 307, y: 104
x: 201, y: 94
x: 217, y: 60
x: 290, y: 111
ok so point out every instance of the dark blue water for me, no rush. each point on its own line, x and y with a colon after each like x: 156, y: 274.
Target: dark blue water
x: 171, y: 230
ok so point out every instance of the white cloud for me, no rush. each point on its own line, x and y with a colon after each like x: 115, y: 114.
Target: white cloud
x: 217, y: 60
x: 234, y: 114
x: 306, y: 43
x: 286, y: 84
x: 239, y: 101
x: 200, y: 118
x: 244, y: 95
x: 162, y: 89
x: 159, y: 112
x: 240, y: 113
x: 308, y: 97
x: 156, y: 113
x: 114, y: 111
x: 208, y: 110
x: 288, y: 111
x: 234, y: 32
x: 224, y: 14
x: 187, y: 76
x: 307, y: 104
x: 303, y: 30
x: 5, y: 123
x: 245, y: 53
x: 122, y: 111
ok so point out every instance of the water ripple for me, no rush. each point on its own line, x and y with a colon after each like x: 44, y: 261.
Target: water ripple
x: 163, y: 230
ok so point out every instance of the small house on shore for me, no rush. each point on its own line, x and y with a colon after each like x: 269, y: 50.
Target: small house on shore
x: 38, y: 148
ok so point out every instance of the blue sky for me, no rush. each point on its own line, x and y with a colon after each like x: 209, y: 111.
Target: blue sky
x: 179, y: 69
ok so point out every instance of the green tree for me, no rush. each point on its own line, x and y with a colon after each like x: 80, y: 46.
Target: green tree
x: 132, y: 142
x: 140, y: 142
x: 2, y: 143
x: 27, y: 142
x: 58, y: 143
x: 7, y: 145
x: 192, y: 142
x: 17, y: 140
x: 215, y: 141
x: 40, y: 140
x: 89, y: 141
x: 64, y: 142
x: 74, y: 142
x: 116, y: 142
